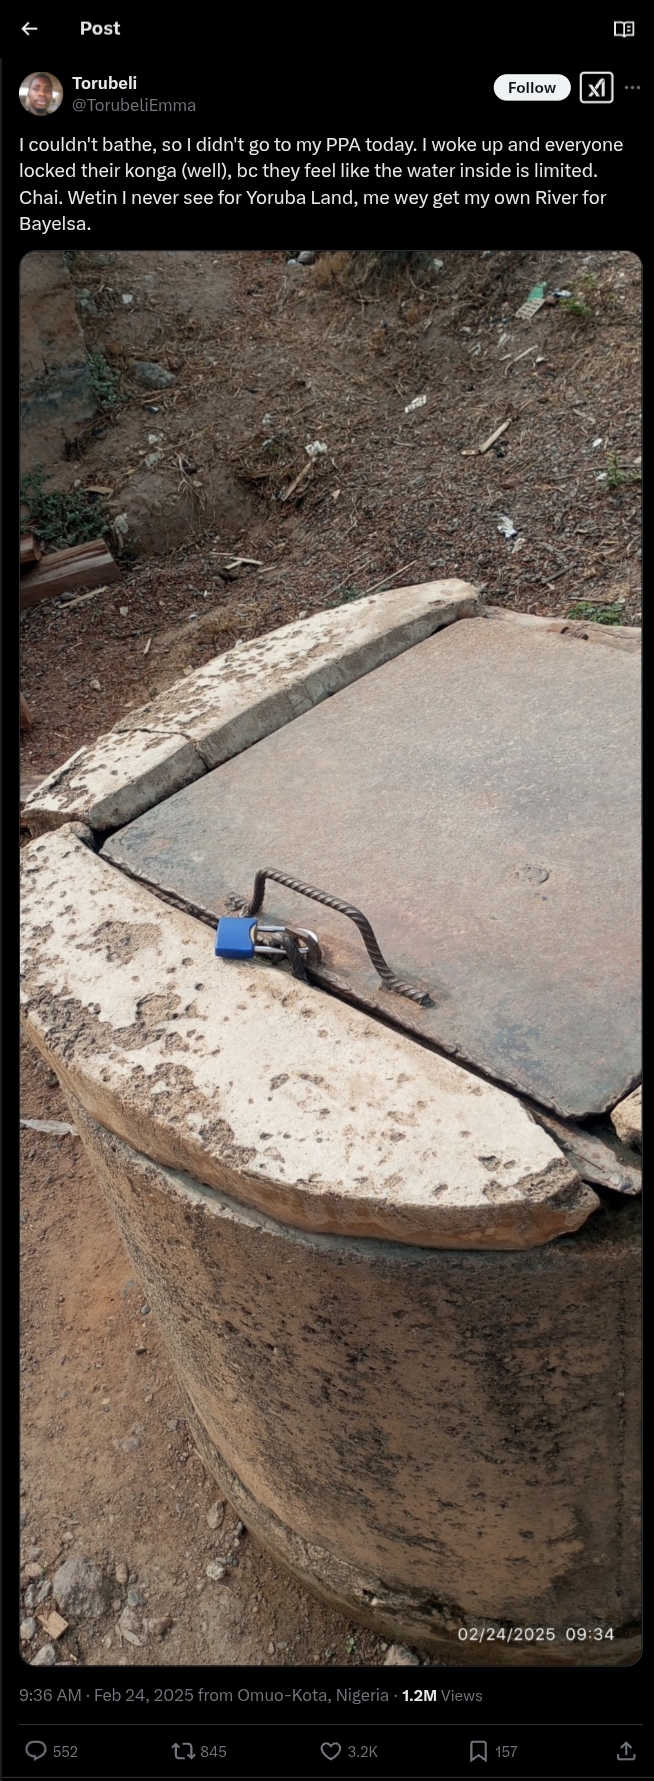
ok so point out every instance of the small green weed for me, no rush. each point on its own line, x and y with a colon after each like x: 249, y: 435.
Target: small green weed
x: 351, y: 1646
x: 597, y: 615
x: 105, y: 383
x: 350, y: 593
x: 616, y: 477
x: 576, y: 306
x: 60, y: 520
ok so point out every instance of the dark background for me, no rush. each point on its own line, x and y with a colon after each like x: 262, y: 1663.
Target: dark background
x: 406, y: 76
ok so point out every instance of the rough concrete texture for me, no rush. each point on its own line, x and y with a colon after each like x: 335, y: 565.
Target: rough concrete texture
x: 236, y: 699
x: 56, y: 394
x: 266, y: 1088
x: 627, y: 1118
x: 623, y: 637
x: 435, y: 1441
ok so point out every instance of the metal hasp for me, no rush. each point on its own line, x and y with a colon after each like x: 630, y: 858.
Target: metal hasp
x: 478, y: 796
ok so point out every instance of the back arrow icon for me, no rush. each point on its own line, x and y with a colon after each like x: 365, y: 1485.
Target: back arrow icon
x: 27, y: 28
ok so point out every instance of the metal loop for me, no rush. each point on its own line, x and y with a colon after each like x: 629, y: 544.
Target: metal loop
x: 309, y: 948
x: 311, y: 943
x: 293, y: 954
x: 388, y: 977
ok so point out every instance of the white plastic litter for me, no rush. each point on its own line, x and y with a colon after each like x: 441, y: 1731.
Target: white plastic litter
x: 56, y: 1127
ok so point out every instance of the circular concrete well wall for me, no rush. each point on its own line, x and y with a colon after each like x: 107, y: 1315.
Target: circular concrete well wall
x: 405, y: 1328
x: 437, y: 1441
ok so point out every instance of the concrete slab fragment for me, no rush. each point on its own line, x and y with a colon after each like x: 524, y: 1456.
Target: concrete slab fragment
x: 264, y: 1088
x: 478, y: 797
x: 114, y: 780
x: 235, y: 700
x: 596, y: 1159
x: 628, y: 1119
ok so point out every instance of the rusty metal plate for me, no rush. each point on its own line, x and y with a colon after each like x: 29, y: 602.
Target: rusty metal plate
x: 478, y: 799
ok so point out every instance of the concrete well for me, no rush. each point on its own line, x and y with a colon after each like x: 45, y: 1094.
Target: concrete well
x: 406, y: 1332
x: 425, y: 1437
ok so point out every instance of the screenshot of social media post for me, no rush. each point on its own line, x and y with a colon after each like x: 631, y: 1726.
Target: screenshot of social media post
x: 328, y: 651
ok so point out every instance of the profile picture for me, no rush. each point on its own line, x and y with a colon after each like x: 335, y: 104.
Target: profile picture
x: 41, y: 94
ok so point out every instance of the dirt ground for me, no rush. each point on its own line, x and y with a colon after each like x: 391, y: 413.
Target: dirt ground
x: 268, y: 358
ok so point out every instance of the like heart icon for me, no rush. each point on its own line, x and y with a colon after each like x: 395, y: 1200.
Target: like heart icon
x: 330, y: 1751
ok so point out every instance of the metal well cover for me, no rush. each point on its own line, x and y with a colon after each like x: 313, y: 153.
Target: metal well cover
x: 478, y: 798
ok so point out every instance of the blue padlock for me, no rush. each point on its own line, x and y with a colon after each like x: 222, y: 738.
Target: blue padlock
x: 235, y: 937
x: 241, y: 936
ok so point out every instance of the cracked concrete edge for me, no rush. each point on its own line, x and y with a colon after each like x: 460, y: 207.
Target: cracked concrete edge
x: 624, y: 637
x: 113, y: 781
x: 596, y: 1159
x: 369, y: 1135
x: 234, y: 701
x: 627, y: 1118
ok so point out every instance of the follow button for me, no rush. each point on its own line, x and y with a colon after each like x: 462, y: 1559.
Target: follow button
x: 531, y: 86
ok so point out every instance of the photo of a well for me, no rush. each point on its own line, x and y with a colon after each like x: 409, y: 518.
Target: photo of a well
x: 391, y: 1234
